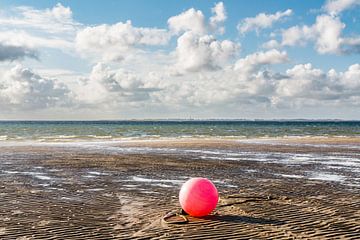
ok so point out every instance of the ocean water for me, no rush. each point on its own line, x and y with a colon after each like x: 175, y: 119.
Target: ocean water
x: 63, y: 131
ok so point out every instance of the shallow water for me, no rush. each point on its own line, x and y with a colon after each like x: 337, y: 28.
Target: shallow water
x: 323, y: 162
x: 65, y: 131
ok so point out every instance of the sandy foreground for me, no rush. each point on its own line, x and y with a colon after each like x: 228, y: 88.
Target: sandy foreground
x: 70, y: 193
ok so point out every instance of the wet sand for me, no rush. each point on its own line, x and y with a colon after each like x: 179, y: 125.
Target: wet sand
x: 68, y: 193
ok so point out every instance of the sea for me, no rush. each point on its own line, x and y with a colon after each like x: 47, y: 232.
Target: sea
x: 63, y: 131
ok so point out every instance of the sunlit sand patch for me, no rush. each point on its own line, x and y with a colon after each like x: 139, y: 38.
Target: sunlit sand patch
x: 37, y: 175
x: 130, y: 185
x: 7, y: 163
x: 42, y: 177
x: 219, y: 158
x: 24, y: 238
x: 89, y: 176
x: 162, y: 185
x: 66, y: 198
x: 230, y: 186
x: 212, y: 152
x: 56, y: 188
x: 149, y: 180
x: 95, y: 189
x: 44, y: 185
x: 72, y: 198
x: 43, y: 223
x: 98, y: 173
x: 10, y: 172
x: 38, y: 167
x: 300, y: 159
x: 223, y: 183
x: 344, y: 164
x: 128, y: 214
x: 54, y: 170
x: 149, y: 192
x: 35, y: 191
x: 170, y: 183
x: 16, y: 212
x: 354, y: 185
x: 289, y: 175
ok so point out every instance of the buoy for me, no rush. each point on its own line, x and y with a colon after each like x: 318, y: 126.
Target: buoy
x: 198, y: 197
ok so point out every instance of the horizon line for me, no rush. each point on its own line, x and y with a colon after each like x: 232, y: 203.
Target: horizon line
x: 182, y: 119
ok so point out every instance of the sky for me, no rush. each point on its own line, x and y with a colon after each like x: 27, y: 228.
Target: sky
x: 160, y: 59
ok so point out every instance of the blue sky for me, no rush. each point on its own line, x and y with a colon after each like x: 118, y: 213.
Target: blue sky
x: 155, y: 13
x: 172, y: 59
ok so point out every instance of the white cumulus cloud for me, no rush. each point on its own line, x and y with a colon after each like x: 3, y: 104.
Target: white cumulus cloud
x: 190, y: 20
x: 58, y: 19
x: 253, y: 62
x: 115, y: 42
x: 326, y: 33
x: 26, y: 25
x: 111, y: 87
x: 304, y: 85
x: 218, y: 18
x: 194, y: 20
x: 196, y: 52
x: 261, y: 21
x: 335, y: 7
x: 21, y: 88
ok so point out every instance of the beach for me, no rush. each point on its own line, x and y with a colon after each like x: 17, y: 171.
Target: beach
x: 298, y: 188
x: 140, y: 119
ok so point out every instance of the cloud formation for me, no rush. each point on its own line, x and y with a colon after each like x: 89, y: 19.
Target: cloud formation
x: 11, y: 53
x: 253, y: 62
x: 326, y: 33
x: 218, y: 18
x: 194, y: 21
x: 196, y: 52
x: 58, y: 19
x: 261, y: 21
x: 190, y: 20
x: 197, y: 47
x: 21, y: 88
x: 50, y: 28
x: 305, y: 85
x: 335, y: 7
x: 138, y: 68
x: 114, y: 42
x: 111, y: 87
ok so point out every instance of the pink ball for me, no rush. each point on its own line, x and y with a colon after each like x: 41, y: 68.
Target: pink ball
x: 198, y: 197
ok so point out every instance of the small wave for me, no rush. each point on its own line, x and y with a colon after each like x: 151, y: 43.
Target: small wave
x: 3, y: 137
x: 100, y: 137
x: 58, y: 136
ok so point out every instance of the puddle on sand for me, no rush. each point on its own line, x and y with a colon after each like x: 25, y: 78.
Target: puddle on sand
x: 327, y: 177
